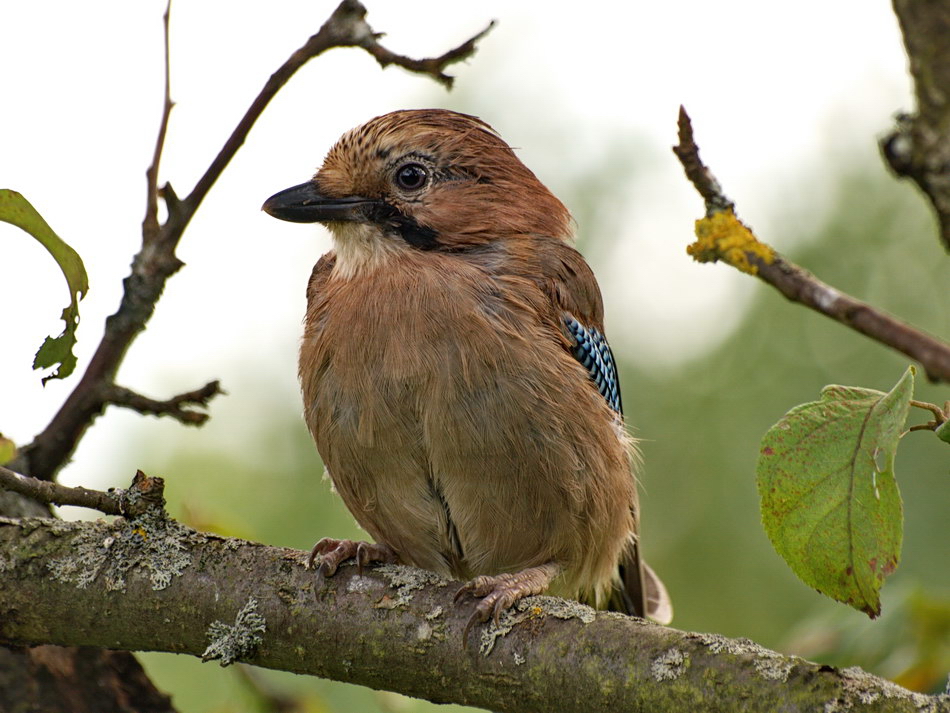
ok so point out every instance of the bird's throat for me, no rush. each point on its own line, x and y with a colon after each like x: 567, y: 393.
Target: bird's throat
x: 362, y: 248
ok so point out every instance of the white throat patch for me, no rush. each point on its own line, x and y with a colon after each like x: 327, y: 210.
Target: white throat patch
x: 360, y: 248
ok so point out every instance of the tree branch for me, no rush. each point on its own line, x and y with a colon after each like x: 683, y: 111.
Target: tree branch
x: 722, y: 236
x: 174, y: 407
x: 150, y: 224
x: 156, y: 262
x: 144, y: 494
x: 433, y: 66
x: 919, y: 147
x: 169, y: 588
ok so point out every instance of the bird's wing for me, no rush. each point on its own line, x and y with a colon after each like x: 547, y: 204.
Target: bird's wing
x: 590, y: 348
x: 570, y: 285
x: 572, y: 288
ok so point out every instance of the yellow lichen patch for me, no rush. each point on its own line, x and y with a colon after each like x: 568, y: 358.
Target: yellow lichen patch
x: 722, y: 236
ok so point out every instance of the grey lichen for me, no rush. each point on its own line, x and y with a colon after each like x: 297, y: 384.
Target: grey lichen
x: 406, y: 580
x: 862, y: 687
x: 532, y: 607
x: 151, y: 542
x: 669, y: 665
x: 424, y: 631
x: 774, y: 667
x: 768, y: 664
x: 230, y: 642
x: 362, y: 585
x: 718, y: 644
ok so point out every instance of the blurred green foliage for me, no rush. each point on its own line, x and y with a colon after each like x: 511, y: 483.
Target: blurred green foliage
x: 701, y: 425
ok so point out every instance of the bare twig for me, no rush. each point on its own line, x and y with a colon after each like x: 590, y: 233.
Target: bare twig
x: 721, y: 236
x: 156, y: 261
x: 940, y: 415
x: 150, y: 225
x: 433, y: 66
x: 919, y: 146
x: 144, y: 493
x: 174, y: 407
x: 548, y: 654
x: 701, y: 177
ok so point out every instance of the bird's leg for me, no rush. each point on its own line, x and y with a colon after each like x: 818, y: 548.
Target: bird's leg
x: 498, y: 592
x: 333, y: 552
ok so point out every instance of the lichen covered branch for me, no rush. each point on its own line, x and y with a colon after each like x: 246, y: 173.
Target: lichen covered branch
x: 168, y: 588
x: 145, y: 493
x: 722, y: 236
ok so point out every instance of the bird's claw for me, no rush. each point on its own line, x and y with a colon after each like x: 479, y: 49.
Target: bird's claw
x: 497, y: 594
x: 334, y: 552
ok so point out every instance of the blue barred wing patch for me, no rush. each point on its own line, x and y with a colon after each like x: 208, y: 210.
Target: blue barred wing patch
x: 592, y: 351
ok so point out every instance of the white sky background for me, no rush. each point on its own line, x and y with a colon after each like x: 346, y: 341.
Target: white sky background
x: 773, y: 90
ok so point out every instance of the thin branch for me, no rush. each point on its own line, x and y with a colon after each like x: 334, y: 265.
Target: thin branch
x: 701, y: 177
x: 919, y: 146
x: 144, y: 493
x: 433, y: 66
x: 174, y: 407
x: 723, y: 237
x: 150, y: 225
x: 940, y: 414
x: 156, y: 262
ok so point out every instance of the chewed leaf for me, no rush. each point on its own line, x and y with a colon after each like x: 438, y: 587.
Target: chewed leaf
x: 830, y: 503
x: 16, y: 210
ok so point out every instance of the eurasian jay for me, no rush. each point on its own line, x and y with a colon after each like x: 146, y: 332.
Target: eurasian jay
x: 455, y: 374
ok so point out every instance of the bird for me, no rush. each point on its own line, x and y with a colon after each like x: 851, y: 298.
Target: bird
x: 455, y: 373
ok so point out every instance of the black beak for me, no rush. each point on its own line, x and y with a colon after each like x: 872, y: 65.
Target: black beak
x: 305, y: 204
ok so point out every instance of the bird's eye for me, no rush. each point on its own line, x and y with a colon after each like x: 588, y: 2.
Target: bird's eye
x: 412, y: 176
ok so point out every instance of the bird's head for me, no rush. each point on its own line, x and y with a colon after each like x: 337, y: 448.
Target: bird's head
x: 421, y: 180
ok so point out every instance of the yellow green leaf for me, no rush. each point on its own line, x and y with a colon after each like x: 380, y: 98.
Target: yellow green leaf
x: 829, y: 499
x: 16, y: 210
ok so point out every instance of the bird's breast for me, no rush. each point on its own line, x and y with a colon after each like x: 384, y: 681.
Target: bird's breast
x: 445, y: 406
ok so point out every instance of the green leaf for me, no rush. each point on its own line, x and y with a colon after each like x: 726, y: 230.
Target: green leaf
x: 7, y: 450
x: 943, y: 431
x: 16, y: 209
x: 830, y: 503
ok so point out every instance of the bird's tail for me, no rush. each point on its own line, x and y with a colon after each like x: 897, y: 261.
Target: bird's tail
x: 639, y: 591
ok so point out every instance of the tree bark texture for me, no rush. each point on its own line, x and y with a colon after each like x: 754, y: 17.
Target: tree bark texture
x: 152, y: 584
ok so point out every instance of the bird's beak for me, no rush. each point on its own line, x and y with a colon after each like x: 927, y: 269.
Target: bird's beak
x: 305, y: 204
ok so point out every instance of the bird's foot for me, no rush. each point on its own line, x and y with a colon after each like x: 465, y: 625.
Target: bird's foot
x: 498, y: 592
x: 333, y: 552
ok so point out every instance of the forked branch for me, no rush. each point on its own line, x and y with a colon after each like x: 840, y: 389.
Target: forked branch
x: 722, y: 236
